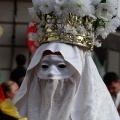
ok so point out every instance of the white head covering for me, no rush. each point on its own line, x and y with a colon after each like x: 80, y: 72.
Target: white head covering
x: 91, y: 100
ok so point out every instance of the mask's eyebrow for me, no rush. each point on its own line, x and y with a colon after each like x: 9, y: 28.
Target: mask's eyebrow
x: 45, y: 61
x: 53, y: 58
x: 59, y: 61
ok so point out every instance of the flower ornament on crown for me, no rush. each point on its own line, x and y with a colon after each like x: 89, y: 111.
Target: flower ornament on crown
x: 78, y: 22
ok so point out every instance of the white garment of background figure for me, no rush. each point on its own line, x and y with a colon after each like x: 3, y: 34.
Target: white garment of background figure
x: 64, y: 85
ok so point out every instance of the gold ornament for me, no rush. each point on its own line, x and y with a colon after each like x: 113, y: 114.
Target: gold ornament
x: 53, y: 34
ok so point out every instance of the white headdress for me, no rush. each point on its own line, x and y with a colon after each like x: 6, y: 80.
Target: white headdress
x: 91, y: 100
x: 78, y: 22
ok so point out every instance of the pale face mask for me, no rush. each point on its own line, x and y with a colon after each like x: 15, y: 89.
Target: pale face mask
x: 54, y: 67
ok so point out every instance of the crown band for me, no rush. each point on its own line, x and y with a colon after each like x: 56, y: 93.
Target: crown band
x: 81, y: 38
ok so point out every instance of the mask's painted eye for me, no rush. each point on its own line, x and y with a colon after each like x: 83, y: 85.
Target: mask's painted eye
x: 62, y: 66
x: 45, y: 66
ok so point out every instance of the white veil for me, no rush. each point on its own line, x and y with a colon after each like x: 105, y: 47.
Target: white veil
x: 92, y: 100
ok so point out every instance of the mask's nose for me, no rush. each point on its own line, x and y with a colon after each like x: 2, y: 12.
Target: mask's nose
x: 53, y: 71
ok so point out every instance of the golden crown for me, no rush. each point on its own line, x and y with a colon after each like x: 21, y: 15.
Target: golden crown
x: 78, y: 22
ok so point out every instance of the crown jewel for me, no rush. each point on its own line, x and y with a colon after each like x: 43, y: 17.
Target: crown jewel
x: 78, y: 22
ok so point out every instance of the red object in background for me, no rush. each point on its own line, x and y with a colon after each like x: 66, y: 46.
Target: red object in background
x: 2, y: 97
x: 31, y: 30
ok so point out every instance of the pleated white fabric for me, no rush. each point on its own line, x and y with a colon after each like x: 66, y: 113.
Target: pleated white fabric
x: 83, y: 96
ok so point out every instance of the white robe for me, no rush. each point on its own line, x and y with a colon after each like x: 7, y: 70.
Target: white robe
x: 90, y: 101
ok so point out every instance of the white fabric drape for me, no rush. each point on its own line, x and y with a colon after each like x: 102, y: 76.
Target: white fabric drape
x: 90, y: 98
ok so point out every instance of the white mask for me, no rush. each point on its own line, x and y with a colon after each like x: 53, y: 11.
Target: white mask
x: 54, y: 67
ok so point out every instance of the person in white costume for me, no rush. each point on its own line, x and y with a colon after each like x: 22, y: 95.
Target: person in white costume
x: 62, y: 81
x: 81, y: 95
